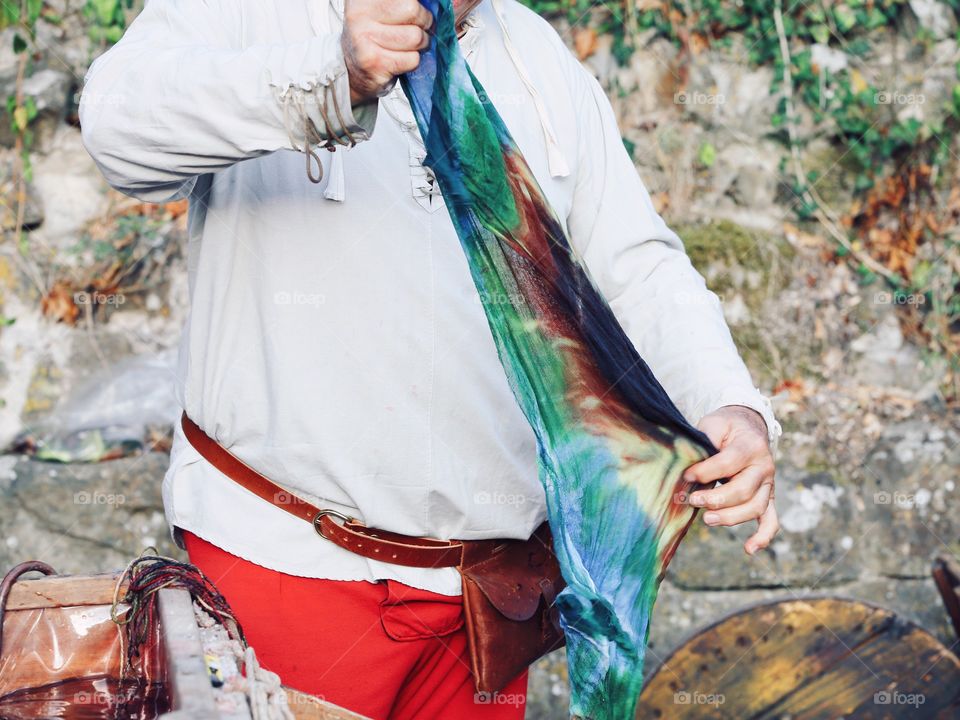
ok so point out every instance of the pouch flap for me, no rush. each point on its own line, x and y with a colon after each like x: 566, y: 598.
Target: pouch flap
x: 516, y: 575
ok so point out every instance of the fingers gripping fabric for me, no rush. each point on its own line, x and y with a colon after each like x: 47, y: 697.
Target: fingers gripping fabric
x: 612, y: 446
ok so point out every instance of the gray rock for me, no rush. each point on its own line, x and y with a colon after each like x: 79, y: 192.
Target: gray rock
x: 602, y: 63
x: 67, y: 45
x: 71, y: 187
x: 935, y: 16
x: 748, y: 105
x: 909, y: 498
x: 755, y: 185
x: 932, y: 93
x: 548, y: 688
x: 9, y: 60
x: 82, y: 518
x: 33, y: 209
x: 818, y: 544
x: 50, y: 91
x: 833, y: 60
x: 882, y: 357
x: 706, y: 93
x: 56, y: 377
x: 728, y: 93
x: 645, y: 80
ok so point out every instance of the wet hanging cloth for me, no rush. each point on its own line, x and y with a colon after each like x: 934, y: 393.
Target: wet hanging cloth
x: 612, y: 446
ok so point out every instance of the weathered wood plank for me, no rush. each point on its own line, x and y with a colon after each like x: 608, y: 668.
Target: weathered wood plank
x: 189, y: 685
x: 63, y: 591
x: 806, y: 659
x: 308, y: 707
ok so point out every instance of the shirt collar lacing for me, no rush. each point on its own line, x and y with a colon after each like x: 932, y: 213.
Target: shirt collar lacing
x: 397, y: 105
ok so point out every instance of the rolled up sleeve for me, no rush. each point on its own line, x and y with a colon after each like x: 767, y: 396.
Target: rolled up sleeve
x: 177, y: 97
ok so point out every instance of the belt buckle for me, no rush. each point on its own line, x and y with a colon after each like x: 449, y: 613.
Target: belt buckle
x: 328, y: 511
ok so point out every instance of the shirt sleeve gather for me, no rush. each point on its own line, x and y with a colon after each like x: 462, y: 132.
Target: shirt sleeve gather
x: 639, y: 264
x: 317, y: 112
x: 180, y: 96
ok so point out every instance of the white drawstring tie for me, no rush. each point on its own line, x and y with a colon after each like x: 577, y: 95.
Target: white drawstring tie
x: 555, y: 158
x: 319, y: 11
x: 335, y: 182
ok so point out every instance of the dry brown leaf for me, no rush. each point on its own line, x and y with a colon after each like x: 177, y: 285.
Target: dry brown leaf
x: 698, y: 43
x: 59, y: 304
x: 585, y: 42
x: 794, y: 387
x: 819, y: 329
x: 799, y: 237
x: 178, y: 208
x: 857, y: 82
x: 661, y: 201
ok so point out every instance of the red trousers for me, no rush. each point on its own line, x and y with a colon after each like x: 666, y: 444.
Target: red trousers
x: 385, y: 650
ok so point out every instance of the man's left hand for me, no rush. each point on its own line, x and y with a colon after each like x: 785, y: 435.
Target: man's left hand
x: 744, y: 457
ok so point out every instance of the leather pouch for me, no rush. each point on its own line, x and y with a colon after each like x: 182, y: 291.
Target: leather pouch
x: 508, y: 591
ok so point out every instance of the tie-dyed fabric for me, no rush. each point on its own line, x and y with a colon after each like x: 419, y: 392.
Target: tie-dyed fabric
x: 612, y: 446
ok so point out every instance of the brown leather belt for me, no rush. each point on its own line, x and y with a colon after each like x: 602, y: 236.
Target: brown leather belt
x: 351, y: 535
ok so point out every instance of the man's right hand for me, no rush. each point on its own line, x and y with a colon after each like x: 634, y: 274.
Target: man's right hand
x: 382, y: 39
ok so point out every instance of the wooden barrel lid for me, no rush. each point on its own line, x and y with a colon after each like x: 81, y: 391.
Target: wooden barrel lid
x: 308, y: 707
x: 806, y: 659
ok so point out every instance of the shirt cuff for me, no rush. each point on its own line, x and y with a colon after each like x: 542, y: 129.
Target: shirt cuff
x: 311, y: 104
x: 358, y: 121
x: 751, y: 398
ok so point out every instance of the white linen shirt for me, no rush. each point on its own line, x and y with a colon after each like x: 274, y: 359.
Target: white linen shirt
x: 335, y: 341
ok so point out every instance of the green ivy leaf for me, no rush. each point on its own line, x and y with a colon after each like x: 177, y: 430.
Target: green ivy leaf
x: 906, y: 132
x: 25, y: 157
x: 113, y: 33
x: 20, y: 119
x: 858, y: 47
x: 845, y: 18
x: 820, y: 33
x: 921, y: 272
x: 104, y: 11
x: 19, y: 44
x: 31, y: 107
x: 876, y: 19
x: 33, y: 11
x: 10, y: 13
x: 707, y: 155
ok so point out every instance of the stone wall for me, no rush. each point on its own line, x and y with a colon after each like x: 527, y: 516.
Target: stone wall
x: 867, y: 468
